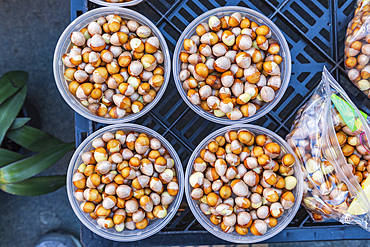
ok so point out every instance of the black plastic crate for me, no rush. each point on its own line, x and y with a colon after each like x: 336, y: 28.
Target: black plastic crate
x: 314, y: 30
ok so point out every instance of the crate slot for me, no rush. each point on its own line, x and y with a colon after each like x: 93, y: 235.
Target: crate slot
x: 302, y: 13
x: 312, y: 83
x: 314, y: 8
x: 348, y: 10
x: 260, y: 6
x: 299, y: 24
x: 324, y: 33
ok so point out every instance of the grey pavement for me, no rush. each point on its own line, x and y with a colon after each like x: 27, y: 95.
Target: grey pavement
x: 29, y: 31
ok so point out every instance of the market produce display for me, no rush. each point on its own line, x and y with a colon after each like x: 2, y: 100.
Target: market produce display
x: 241, y: 185
x: 126, y: 180
x: 114, y: 66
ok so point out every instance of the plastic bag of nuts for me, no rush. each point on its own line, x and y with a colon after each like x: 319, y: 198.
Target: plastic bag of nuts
x: 357, y: 47
x: 329, y: 137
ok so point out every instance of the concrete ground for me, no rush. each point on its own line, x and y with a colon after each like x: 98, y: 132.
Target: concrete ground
x: 29, y: 32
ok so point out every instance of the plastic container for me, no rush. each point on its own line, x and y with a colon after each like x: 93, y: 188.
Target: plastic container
x: 257, y: 17
x: 126, y: 235
x: 64, y: 43
x: 283, y: 221
x: 125, y: 4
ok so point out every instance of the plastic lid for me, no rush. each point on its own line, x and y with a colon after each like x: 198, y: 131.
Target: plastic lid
x: 126, y: 235
x: 283, y: 221
x: 64, y: 43
x: 257, y: 17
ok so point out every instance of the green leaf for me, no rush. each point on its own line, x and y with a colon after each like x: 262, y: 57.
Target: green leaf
x: 26, y: 168
x: 364, y: 115
x: 7, y: 157
x: 11, y: 82
x: 19, y: 122
x: 9, y: 110
x: 347, y: 112
x: 33, y: 139
x: 35, y: 186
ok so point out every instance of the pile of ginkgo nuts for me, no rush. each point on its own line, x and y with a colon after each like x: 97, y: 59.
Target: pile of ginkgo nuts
x: 230, y: 66
x: 114, y: 66
x: 126, y: 180
x: 243, y: 181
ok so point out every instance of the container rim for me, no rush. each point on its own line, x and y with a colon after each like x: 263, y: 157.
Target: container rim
x: 84, y: 218
x: 215, y: 230
x: 125, y: 4
x: 58, y: 65
x: 285, y: 52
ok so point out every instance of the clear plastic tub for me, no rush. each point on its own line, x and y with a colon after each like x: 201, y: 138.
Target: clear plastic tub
x: 283, y: 221
x: 257, y: 17
x: 64, y: 43
x: 125, y: 4
x: 126, y: 235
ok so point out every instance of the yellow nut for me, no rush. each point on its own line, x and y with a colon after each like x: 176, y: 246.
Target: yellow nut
x: 151, y: 45
x: 262, y: 30
x: 156, y: 80
x: 114, y: 146
x: 327, y: 167
x: 137, y: 106
x: 137, y: 45
x: 159, y: 211
x: 87, y: 207
x: 312, y: 166
x: 79, y: 180
x: 100, y: 154
x: 235, y: 19
x: 216, y: 220
x: 228, y: 38
x: 73, y: 86
x: 214, y: 23
x: 259, y: 227
x: 149, y: 62
x: 290, y: 182
x: 101, y: 211
x: 243, y: 98
x: 353, y: 141
x: 288, y: 160
x: 190, y: 46
x: 218, y: 113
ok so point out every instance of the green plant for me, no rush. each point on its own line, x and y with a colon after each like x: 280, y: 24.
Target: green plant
x: 16, y: 170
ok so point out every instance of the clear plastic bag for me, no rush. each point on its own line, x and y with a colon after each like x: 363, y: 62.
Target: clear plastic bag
x: 330, y: 138
x: 357, y: 47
